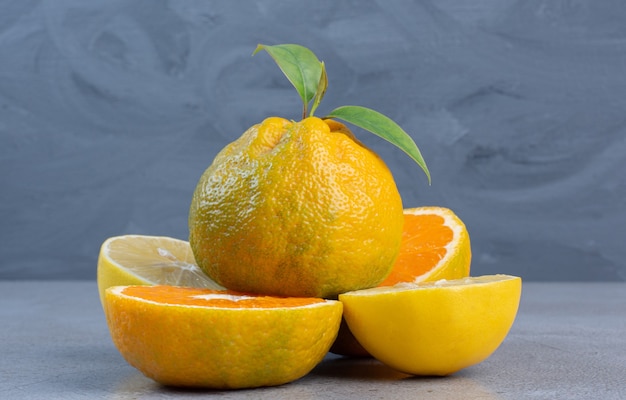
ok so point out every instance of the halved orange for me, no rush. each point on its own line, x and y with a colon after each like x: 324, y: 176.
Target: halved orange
x: 435, y: 245
x: 183, y: 336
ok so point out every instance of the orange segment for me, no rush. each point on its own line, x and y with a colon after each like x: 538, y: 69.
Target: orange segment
x: 435, y: 245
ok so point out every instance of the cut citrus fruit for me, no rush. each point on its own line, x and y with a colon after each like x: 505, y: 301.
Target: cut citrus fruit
x: 195, y: 337
x: 434, y: 328
x: 435, y: 245
x: 148, y: 260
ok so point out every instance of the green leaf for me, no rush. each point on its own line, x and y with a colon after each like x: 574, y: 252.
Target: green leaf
x: 300, y: 65
x: 321, y: 89
x: 382, y: 126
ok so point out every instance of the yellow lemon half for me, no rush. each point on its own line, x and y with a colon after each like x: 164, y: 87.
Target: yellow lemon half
x: 435, y: 245
x: 434, y: 328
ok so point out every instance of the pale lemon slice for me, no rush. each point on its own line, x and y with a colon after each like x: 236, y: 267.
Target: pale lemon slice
x: 434, y: 328
x: 148, y: 260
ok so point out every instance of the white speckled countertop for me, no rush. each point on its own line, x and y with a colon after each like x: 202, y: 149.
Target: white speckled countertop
x: 568, y: 342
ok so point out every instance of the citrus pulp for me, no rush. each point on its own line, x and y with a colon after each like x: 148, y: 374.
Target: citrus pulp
x: 435, y: 245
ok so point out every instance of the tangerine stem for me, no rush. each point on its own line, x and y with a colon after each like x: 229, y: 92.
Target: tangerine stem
x: 321, y: 88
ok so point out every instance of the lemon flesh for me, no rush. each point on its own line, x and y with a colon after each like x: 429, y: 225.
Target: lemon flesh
x: 434, y: 328
x: 148, y: 260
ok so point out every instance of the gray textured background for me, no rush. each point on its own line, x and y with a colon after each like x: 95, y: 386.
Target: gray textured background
x: 111, y: 110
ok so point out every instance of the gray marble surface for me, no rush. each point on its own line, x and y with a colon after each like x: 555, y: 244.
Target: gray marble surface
x: 111, y: 110
x: 567, y: 342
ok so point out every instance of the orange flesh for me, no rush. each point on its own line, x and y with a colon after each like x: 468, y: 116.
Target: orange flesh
x: 424, y: 238
x: 187, y: 296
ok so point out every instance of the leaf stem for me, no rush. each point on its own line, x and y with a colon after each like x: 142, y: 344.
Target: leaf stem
x: 321, y: 88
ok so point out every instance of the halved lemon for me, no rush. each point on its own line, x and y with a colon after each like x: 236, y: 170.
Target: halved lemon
x: 148, y: 260
x: 435, y: 245
x: 434, y: 328
x: 194, y: 337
